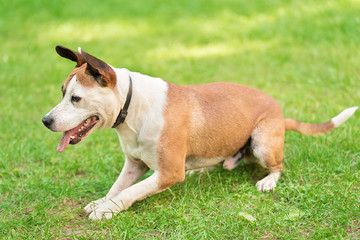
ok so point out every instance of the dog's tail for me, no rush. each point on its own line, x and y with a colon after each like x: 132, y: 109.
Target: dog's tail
x: 313, y: 129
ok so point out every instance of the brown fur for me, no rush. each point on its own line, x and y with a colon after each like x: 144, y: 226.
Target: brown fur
x: 230, y: 113
x: 213, y: 121
x: 86, y: 79
x: 216, y: 120
x: 88, y: 69
x: 80, y: 72
x: 203, y: 125
x: 172, y: 147
x: 308, y: 128
x: 101, y: 71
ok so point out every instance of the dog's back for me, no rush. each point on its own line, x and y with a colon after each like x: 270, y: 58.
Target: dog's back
x: 223, y: 117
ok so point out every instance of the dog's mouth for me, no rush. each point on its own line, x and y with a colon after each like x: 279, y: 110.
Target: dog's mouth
x: 78, y: 133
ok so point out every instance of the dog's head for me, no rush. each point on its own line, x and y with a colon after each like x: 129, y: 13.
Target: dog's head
x: 89, y: 99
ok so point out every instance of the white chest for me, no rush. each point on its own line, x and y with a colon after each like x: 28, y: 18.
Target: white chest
x: 144, y: 149
x: 139, y: 135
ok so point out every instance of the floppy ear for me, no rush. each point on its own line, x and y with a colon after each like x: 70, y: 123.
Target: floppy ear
x: 100, y: 70
x: 70, y: 54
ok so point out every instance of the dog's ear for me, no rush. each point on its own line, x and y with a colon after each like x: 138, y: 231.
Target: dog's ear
x: 70, y: 54
x: 100, y: 70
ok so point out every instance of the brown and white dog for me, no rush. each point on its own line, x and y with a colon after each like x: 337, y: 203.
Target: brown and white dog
x: 170, y: 128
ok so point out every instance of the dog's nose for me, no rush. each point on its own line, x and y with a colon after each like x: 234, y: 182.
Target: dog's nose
x: 47, y: 121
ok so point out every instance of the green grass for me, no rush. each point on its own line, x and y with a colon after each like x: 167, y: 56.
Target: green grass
x: 304, y: 53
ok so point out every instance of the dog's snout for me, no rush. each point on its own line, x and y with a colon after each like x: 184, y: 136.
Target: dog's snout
x: 48, y: 121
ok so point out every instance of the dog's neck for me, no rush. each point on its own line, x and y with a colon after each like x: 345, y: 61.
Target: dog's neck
x: 147, y: 102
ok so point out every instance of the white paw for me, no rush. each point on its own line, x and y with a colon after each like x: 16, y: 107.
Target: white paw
x: 99, y: 215
x: 266, y: 184
x: 106, y: 210
x: 91, y: 206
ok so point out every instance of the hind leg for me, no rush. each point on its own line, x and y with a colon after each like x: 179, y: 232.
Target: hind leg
x: 267, y: 146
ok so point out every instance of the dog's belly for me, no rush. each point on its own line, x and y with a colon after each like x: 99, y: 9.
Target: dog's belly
x: 195, y: 163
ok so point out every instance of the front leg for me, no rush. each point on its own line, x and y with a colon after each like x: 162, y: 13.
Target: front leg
x: 127, y: 197
x: 171, y: 154
x: 132, y: 171
x: 171, y: 171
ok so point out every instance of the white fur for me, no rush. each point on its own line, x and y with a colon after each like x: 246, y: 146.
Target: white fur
x: 343, y: 116
x: 268, y: 183
x: 126, y: 198
x: 130, y: 174
x: 139, y: 136
x: 94, y: 101
x: 259, y: 150
x: 141, y: 131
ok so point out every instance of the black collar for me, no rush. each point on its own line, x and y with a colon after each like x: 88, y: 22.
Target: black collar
x: 123, y: 112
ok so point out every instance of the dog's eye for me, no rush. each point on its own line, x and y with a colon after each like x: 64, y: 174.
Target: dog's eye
x: 75, y: 99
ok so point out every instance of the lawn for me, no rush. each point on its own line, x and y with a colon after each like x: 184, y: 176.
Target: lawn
x: 304, y: 53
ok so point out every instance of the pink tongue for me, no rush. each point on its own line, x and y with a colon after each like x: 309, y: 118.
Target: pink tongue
x: 64, y: 141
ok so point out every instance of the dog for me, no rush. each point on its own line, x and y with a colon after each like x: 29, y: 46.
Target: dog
x: 170, y: 128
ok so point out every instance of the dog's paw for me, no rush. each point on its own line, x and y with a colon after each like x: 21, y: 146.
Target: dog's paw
x: 106, y: 210
x: 266, y: 184
x: 94, y: 204
x: 100, y: 215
